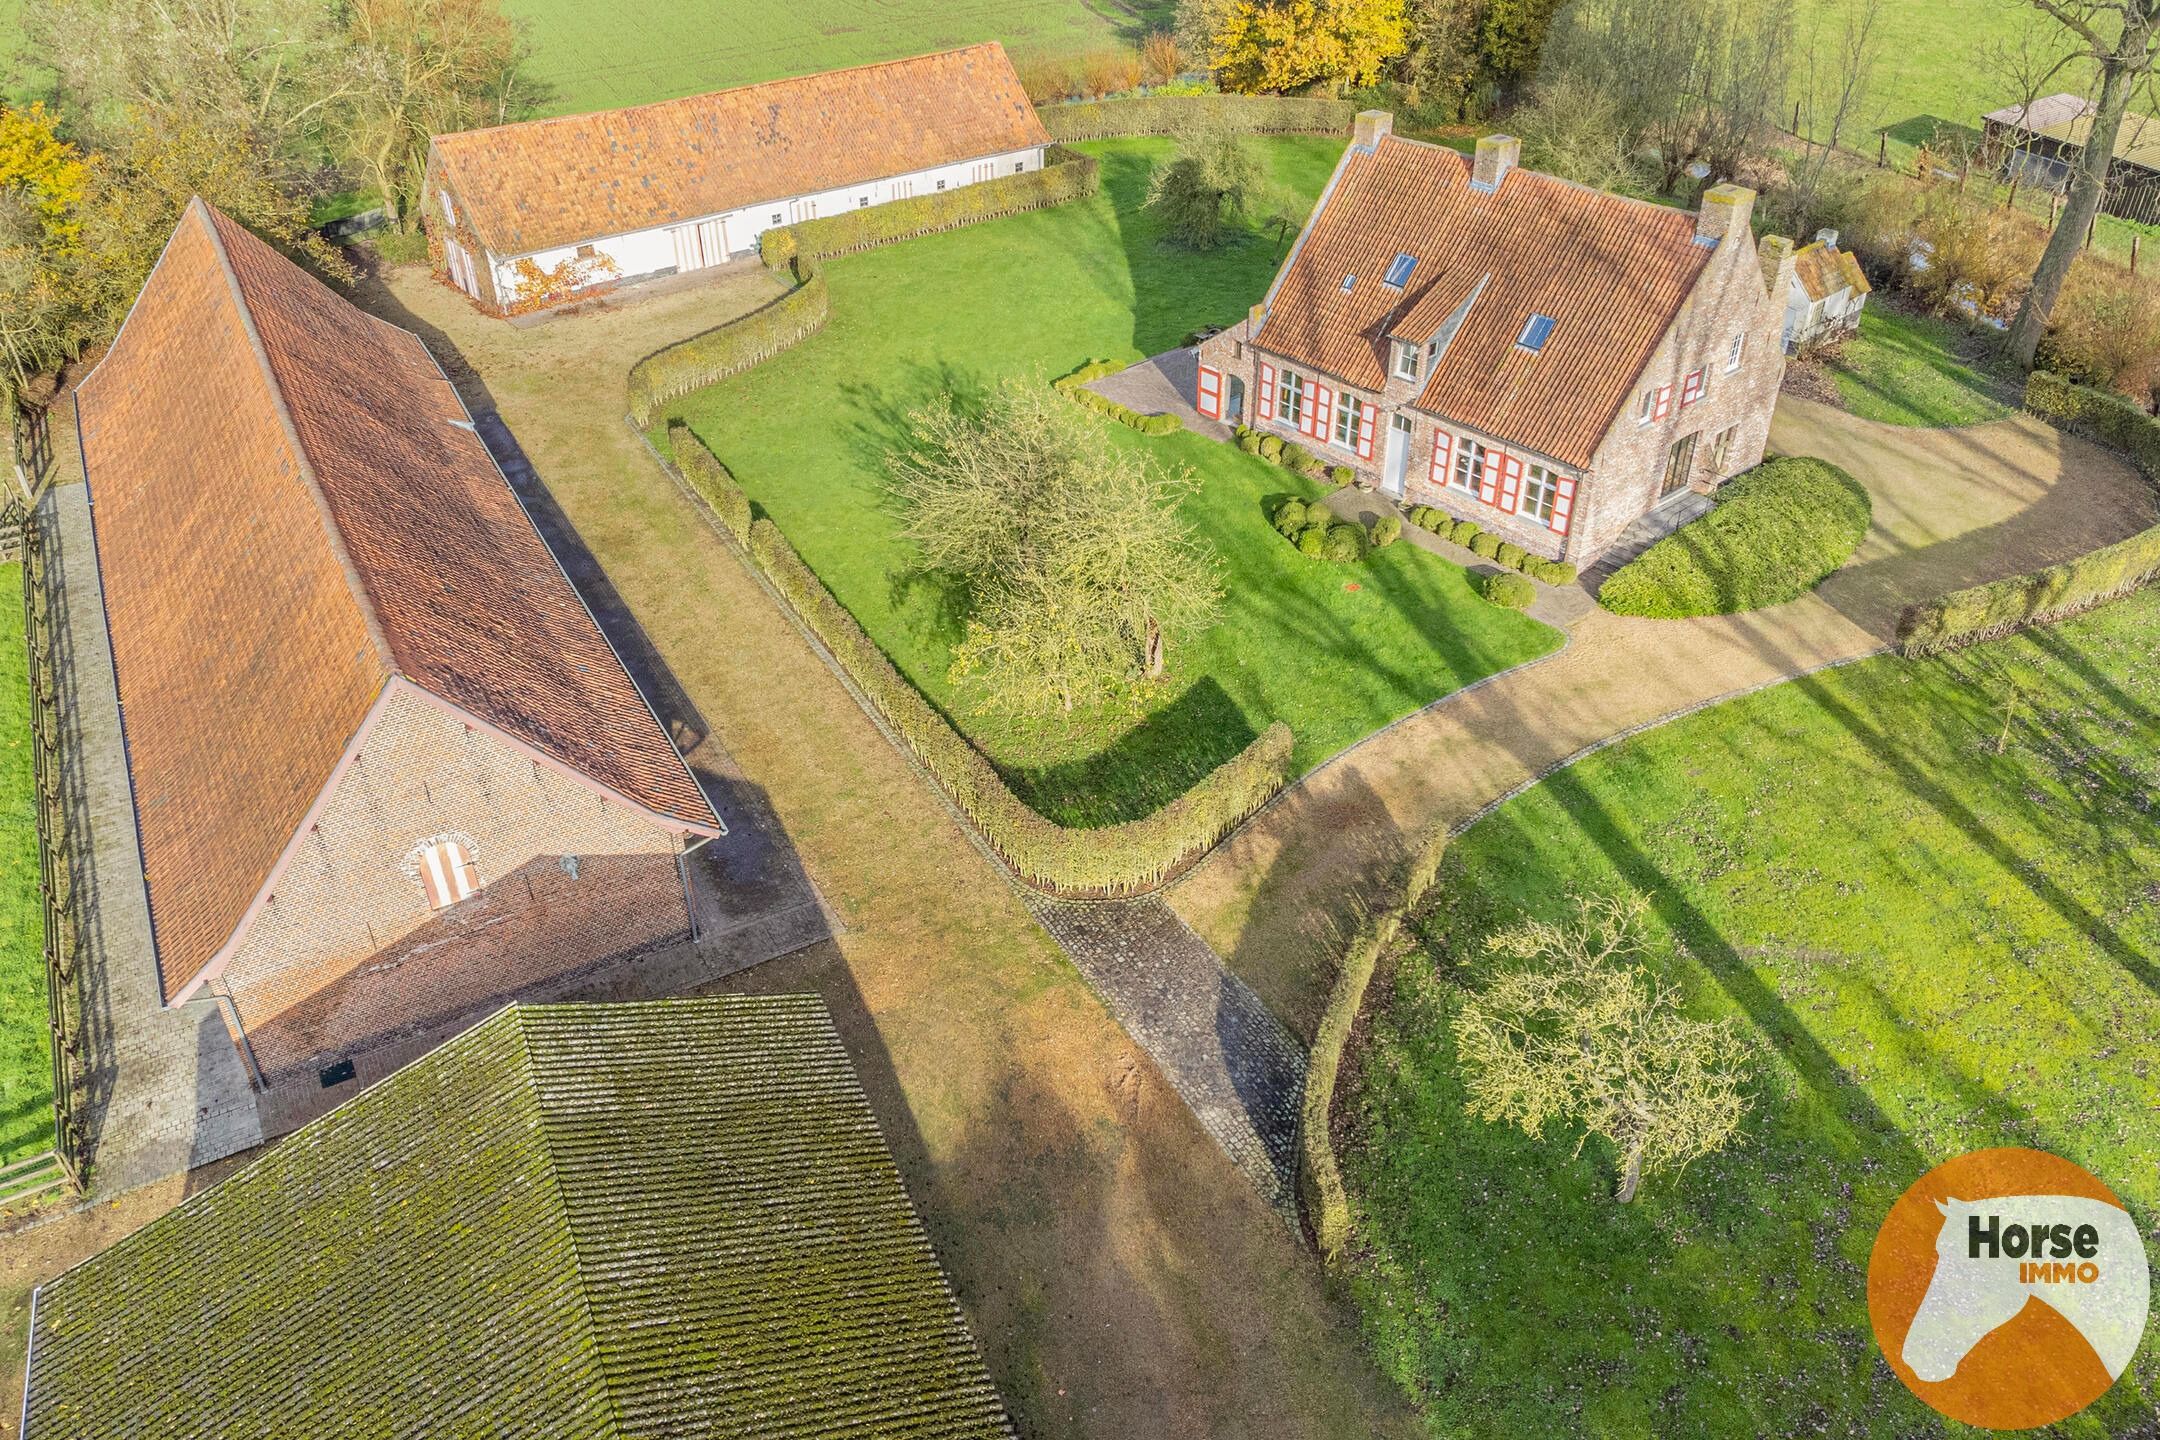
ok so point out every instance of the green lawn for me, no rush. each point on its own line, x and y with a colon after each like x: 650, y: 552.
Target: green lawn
x: 1334, y: 651
x: 593, y: 57
x: 1935, y: 948
x: 26, y: 1115
x: 1912, y: 370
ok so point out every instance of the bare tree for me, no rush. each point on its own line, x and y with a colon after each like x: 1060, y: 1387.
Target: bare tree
x: 1833, y: 87
x: 2122, y: 40
x: 1580, y: 1034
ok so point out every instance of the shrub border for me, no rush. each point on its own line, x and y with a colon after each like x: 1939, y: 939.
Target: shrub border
x: 2042, y: 597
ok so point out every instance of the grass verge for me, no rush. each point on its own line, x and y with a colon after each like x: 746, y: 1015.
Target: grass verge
x: 26, y: 1113
x: 1915, y: 370
x: 1934, y: 948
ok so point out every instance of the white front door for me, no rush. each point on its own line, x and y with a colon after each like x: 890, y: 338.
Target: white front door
x: 1398, y: 455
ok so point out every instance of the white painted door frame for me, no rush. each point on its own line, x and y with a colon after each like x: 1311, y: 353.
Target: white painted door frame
x: 1398, y: 456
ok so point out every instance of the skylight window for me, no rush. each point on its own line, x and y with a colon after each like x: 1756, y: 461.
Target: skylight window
x: 1535, y: 332
x: 1398, y: 270
x: 1349, y: 283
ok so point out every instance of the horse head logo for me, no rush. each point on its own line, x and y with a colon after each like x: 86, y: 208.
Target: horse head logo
x: 1993, y: 1257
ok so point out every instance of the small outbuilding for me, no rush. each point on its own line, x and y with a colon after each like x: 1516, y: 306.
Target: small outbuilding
x: 1826, y: 295
x: 2039, y: 144
x: 574, y: 1222
x: 551, y: 207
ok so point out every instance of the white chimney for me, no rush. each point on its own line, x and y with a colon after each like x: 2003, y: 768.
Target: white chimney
x: 1827, y: 239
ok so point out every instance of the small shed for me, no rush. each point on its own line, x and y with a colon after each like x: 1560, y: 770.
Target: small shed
x: 1827, y: 294
x: 2039, y: 144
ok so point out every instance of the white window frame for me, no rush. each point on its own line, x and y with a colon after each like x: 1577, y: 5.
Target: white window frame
x: 1737, y: 353
x: 449, y: 211
x: 1540, y: 490
x: 1468, y: 472
x: 1406, y: 360
x: 1349, y: 414
x: 1290, y: 400
x: 1647, y: 410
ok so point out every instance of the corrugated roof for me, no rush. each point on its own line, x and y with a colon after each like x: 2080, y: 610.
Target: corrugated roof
x: 291, y: 505
x: 546, y: 183
x: 573, y: 1222
x: 1823, y: 271
x: 1611, y: 272
x: 2069, y: 119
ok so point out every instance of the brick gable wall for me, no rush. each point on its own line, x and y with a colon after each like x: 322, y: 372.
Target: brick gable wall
x: 348, y: 955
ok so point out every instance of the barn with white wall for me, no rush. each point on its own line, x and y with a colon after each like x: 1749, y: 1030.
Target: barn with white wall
x: 683, y: 185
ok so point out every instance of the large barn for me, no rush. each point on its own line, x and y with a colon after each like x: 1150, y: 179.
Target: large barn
x: 386, y: 769
x: 583, y: 201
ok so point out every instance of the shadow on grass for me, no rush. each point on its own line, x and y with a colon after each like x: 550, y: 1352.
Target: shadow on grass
x: 1168, y: 752
x: 1933, y: 130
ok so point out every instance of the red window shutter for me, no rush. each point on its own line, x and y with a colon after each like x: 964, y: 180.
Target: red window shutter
x: 1510, y: 483
x: 1563, y: 504
x: 1664, y: 403
x: 1691, y: 389
x: 1489, y: 478
x: 1443, y: 453
x: 1322, y: 418
x: 1209, y: 401
x: 1367, y: 423
x: 1267, y: 391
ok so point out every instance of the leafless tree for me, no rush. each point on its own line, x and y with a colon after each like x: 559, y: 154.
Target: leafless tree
x: 2121, y: 39
x: 1837, y: 69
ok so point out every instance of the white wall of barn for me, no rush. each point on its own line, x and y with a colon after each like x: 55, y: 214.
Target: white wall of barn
x: 714, y: 238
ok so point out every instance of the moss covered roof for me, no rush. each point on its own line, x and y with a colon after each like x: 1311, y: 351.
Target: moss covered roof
x: 666, y: 1219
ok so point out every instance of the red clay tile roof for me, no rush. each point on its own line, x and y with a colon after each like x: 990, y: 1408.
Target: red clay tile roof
x: 1824, y: 271
x: 547, y: 183
x: 1610, y: 272
x: 290, y: 507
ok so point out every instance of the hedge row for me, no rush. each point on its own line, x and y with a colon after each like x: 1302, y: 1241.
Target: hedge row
x: 1115, y: 859
x: 712, y: 480
x: 731, y: 348
x: 2097, y: 415
x: 1291, y: 456
x: 1320, y: 1186
x: 1164, y: 114
x: 1776, y: 533
x: 1074, y: 388
x: 1983, y: 612
x: 1068, y: 176
x: 1488, y: 546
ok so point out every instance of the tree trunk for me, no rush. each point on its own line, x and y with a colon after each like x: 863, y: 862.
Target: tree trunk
x: 2088, y: 182
x: 1630, y: 1175
x: 1154, y: 651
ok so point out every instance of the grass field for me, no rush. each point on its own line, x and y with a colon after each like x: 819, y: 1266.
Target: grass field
x: 1334, y: 651
x: 26, y: 1116
x: 592, y: 57
x: 1933, y: 948
x: 1915, y: 370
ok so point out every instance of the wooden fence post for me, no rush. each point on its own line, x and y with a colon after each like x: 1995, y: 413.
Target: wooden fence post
x: 2134, y: 239
x: 1882, y: 150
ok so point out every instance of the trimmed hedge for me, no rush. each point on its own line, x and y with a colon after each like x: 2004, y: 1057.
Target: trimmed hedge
x: 1776, y: 533
x: 712, y: 480
x: 1074, y: 387
x: 732, y: 348
x: 1068, y: 175
x: 1114, y: 859
x: 1507, y: 589
x: 2110, y: 419
x: 1163, y: 114
x: 1320, y: 1186
x: 1983, y: 612
x: 1386, y: 530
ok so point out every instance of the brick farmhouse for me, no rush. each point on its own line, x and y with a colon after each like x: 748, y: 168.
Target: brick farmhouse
x: 684, y: 184
x: 386, y: 770
x: 1545, y: 359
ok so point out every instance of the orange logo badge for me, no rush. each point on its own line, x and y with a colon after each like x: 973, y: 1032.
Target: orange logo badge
x: 2008, y: 1288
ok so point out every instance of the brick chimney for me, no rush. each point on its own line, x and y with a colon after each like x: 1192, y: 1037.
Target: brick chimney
x: 1725, y: 212
x: 1496, y: 155
x: 1776, y: 254
x: 1372, y: 127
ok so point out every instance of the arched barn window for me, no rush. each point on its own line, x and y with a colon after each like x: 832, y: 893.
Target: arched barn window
x: 445, y: 871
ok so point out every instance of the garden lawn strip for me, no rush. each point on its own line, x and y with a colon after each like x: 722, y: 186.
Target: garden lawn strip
x: 1906, y: 369
x: 26, y: 1098
x: 1334, y: 651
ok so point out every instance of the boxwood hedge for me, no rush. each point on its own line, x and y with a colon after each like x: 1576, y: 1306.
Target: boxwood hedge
x: 2097, y: 415
x: 1066, y: 175
x: 1775, y: 534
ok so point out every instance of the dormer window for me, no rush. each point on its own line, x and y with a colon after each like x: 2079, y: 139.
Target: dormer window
x: 1406, y: 360
x: 1398, y: 270
x: 1535, y: 332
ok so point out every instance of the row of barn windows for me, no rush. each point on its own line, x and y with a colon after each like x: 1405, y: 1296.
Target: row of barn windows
x: 1497, y: 477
